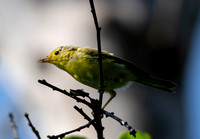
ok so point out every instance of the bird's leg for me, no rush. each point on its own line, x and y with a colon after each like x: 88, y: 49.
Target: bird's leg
x: 112, y: 95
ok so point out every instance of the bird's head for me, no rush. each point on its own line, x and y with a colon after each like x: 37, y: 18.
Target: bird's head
x: 60, y: 56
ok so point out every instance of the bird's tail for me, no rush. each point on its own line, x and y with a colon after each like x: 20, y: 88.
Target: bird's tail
x: 158, y: 83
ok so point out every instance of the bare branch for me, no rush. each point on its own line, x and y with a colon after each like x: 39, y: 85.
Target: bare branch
x: 98, y: 115
x: 72, y: 94
x: 13, y: 126
x: 79, y: 92
x: 72, y: 131
x: 123, y: 123
x: 98, y: 30
x: 82, y: 113
x: 32, y: 127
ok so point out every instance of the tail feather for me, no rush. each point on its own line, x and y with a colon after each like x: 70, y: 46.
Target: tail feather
x: 158, y: 83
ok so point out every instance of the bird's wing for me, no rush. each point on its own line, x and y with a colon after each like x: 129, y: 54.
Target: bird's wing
x: 92, y: 53
x: 129, y: 65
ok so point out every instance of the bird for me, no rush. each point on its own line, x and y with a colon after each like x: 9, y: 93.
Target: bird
x: 82, y: 64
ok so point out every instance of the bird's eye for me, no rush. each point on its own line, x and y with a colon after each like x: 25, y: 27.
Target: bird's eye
x: 57, y: 52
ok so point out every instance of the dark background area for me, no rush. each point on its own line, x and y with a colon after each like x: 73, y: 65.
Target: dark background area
x: 159, y: 44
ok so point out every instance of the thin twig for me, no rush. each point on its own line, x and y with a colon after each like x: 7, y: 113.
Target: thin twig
x: 13, y: 126
x: 72, y: 95
x: 82, y: 113
x: 122, y: 122
x: 98, y: 30
x: 32, y: 127
x: 72, y: 131
x: 79, y: 92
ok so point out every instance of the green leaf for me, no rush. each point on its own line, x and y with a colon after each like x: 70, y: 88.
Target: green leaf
x: 139, y: 135
x: 74, y: 137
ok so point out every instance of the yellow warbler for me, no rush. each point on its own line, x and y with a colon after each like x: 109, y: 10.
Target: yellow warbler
x: 82, y: 64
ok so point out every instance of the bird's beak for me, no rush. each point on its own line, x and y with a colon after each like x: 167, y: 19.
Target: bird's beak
x: 47, y: 59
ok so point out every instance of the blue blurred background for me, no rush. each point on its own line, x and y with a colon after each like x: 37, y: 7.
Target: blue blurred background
x: 159, y: 36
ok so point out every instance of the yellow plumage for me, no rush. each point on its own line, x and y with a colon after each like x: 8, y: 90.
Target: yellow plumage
x: 82, y: 64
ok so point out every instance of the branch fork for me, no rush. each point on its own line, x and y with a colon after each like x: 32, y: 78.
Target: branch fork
x: 96, y: 110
